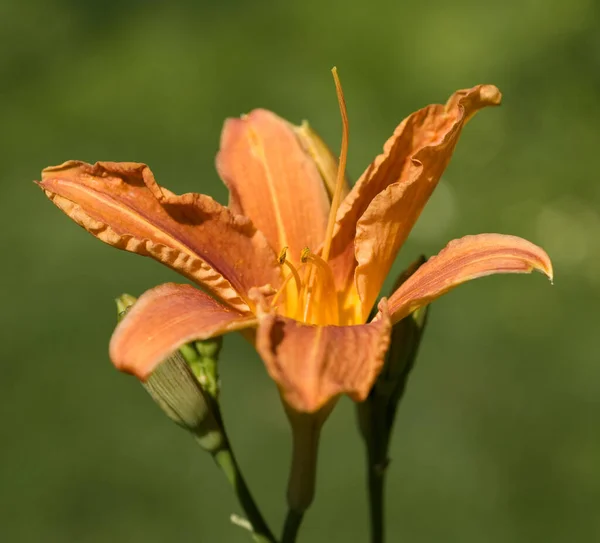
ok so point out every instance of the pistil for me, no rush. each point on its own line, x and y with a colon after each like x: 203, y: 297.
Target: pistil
x: 339, y: 184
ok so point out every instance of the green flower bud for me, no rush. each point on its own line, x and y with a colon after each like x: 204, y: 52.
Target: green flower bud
x: 174, y: 387
x: 376, y: 415
x: 177, y: 385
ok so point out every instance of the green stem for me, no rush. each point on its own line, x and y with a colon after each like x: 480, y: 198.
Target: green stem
x: 376, y: 470
x: 377, y: 413
x: 227, y: 462
x: 377, y: 443
x: 292, y: 526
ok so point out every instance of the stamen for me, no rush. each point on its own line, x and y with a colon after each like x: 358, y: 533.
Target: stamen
x: 281, y: 289
x: 284, y: 261
x: 282, y: 255
x: 339, y: 184
x: 328, y: 305
x: 282, y: 258
x: 319, y: 262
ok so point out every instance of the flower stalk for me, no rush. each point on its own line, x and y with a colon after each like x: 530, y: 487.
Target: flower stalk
x: 377, y: 414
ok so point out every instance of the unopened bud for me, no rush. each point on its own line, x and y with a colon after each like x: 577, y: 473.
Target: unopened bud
x: 404, y: 345
x: 376, y: 415
x: 185, y: 386
x: 174, y: 387
x: 124, y: 302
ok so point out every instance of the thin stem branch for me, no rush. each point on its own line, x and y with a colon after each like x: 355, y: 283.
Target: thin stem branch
x: 227, y: 462
x: 292, y: 526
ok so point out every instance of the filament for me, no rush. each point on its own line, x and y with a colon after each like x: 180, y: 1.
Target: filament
x: 328, y: 305
x: 293, y: 273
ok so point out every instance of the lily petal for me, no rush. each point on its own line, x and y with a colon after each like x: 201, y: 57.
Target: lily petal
x: 274, y: 181
x: 162, y: 320
x: 313, y: 364
x: 121, y: 204
x: 387, y: 200
x: 465, y: 259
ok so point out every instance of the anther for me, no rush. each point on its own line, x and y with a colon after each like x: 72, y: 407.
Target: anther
x: 321, y: 264
x: 282, y: 255
x: 283, y: 261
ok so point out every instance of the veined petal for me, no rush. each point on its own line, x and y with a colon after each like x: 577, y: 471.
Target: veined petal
x: 162, y: 320
x: 386, y: 201
x: 274, y: 181
x: 313, y: 364
x: 121, y: 204
x: 465, y: 259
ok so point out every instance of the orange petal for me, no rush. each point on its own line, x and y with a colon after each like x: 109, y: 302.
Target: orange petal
x: 121, y: 204
x: 313, y: 364
x: 162, y: 320
x: 386, y: 201
x: 465, y: 259
x: 273, y: 181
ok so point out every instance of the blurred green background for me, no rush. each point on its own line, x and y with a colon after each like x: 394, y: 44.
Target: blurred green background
x: 498, y: 437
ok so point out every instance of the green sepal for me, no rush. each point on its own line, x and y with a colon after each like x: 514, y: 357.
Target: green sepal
x: 202, y: 357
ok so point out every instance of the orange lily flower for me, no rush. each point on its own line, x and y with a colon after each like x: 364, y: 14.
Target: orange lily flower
x: 273, y: 262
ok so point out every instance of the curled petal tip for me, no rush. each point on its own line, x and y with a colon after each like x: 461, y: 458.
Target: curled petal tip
x: 490, y: 94
x: 541, y: 262
x: 546, y: 269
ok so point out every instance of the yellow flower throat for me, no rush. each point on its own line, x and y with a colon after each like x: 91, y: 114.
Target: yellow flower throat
x: 310, y: 294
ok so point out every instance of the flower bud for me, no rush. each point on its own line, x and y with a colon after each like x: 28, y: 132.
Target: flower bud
x: 376, y: 415
x: 174, y: 387
x: 178, y: 389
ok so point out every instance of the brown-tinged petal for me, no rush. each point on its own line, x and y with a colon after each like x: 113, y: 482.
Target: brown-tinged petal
x: 274, y: 181
x: 465, y: 259
x: 313, y: 364
x: 325, y: 160
x: 121, y: 204
x: 163, y: 319
x: 386, y: 201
